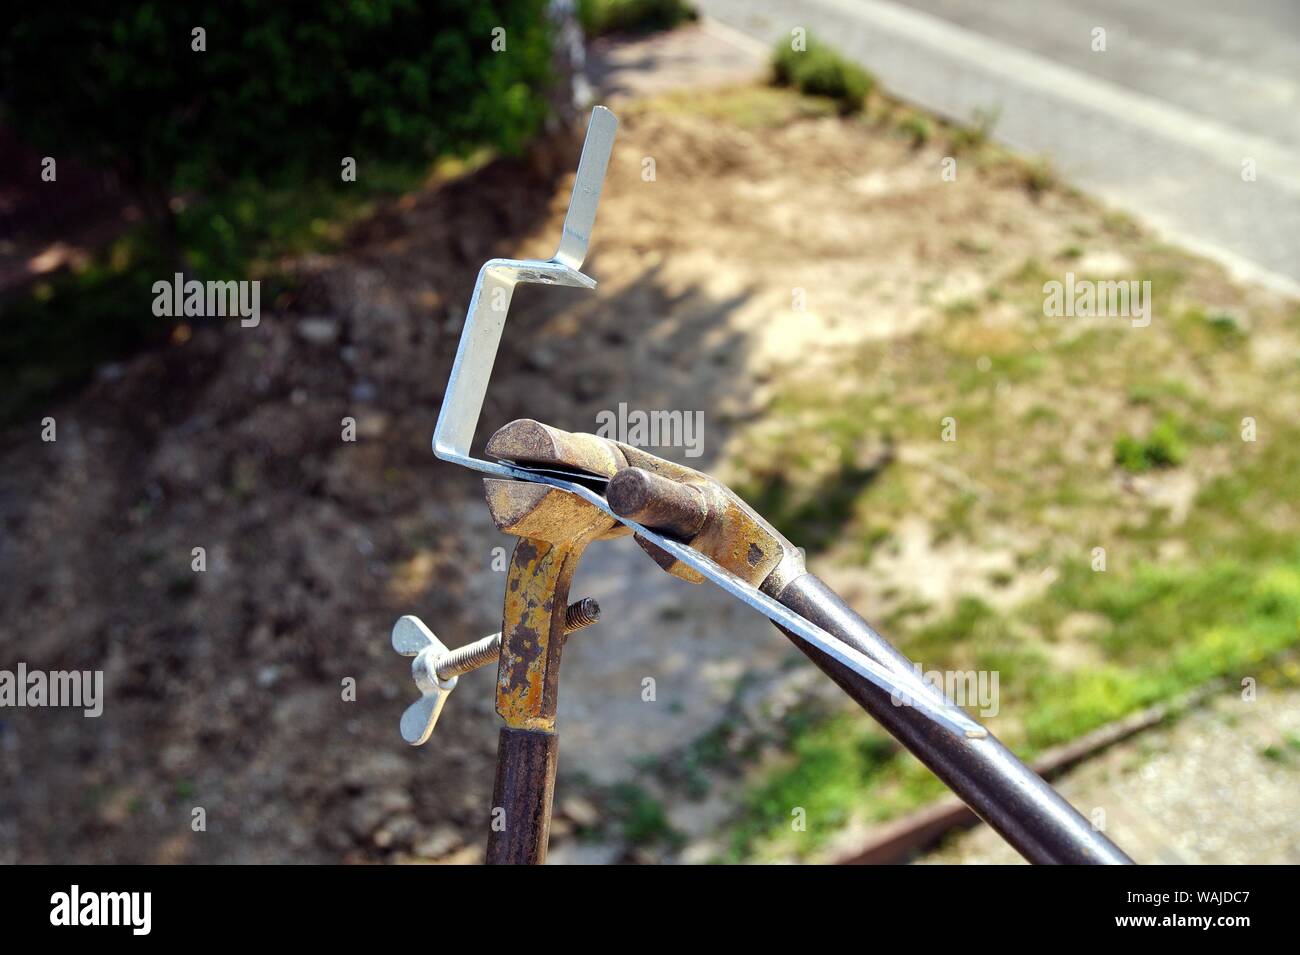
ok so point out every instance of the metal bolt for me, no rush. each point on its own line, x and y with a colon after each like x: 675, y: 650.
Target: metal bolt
x: 581, y: 614
x: 436, y: 669
x: 471, y: 656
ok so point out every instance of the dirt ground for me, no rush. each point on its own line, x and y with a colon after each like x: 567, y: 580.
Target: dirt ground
x: 225, y: 687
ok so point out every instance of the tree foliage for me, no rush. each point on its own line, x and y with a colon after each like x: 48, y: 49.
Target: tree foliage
x: 282, y: 90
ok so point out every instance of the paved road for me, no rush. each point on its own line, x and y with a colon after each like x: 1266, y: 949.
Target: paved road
x: 1158, y: 124
x: 1237, y: 63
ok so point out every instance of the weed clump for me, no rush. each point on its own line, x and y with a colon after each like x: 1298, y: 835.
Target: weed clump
x: 1162, y: 448
x: 820, y: 71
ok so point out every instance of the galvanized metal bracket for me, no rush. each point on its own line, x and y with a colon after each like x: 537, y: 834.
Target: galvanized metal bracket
x: 490, y: 304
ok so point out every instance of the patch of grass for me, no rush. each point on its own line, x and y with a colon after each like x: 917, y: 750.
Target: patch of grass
x: 1213, y: 592
x: 916, y: 127
x: 967, y: 618
x: 1157, y: 392
x: 818, y: 512
x: 1038, y: 175
x: 1173, y: 630
x: 819, y: 71
x: 54, y: 337
x: 958, y: 518
x: 1196, y: 623
x: 1162, y: 448
x: 599, y: 17
x: 1274, y: 753
x: 803, y: 804
x: 1031, y: 273
x: 973, y: 246
x: 875, y: 537
x: 900, y: 619
x: 974, y: 135
x: 815, y: 492
x: 1041, y: 413
x: 1224, y: 323
x: 961, y: 308
x: 693, y: 768
x: 641, y: 817
x: 245, y: 229
x: 1220, y: 328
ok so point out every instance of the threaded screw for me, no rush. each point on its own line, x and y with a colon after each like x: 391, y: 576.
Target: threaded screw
x: 471, y: 656
x: 581, y: 614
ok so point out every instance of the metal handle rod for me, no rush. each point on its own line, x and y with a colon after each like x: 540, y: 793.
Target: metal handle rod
x: 991, y: 780
x: 1027, y: 812
x: 1022, y: 807
x: 522, y: 797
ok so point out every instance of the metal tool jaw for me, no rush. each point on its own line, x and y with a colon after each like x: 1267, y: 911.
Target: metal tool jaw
x: 558, y: 491
x: 695, y: 508
x: 559, y: 510
x: 554, y: 530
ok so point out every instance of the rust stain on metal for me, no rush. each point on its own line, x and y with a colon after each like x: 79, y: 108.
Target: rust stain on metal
x: 555, y: 528
x: 515, y: 669
x: 526, y: 634
x: 539, y: 512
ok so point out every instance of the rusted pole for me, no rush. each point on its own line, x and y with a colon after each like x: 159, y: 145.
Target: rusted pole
x: 554, y: 530
x: 522, y: 797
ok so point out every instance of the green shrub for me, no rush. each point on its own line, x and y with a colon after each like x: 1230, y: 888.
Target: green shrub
x: 917, y: 128
x: 280, y: 92
x: 632, y: 16
x: 1163, y: 448
x: 1224, y: 323
x: 643, y: 819
x: 255, y: 128
x: 820, y: 71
